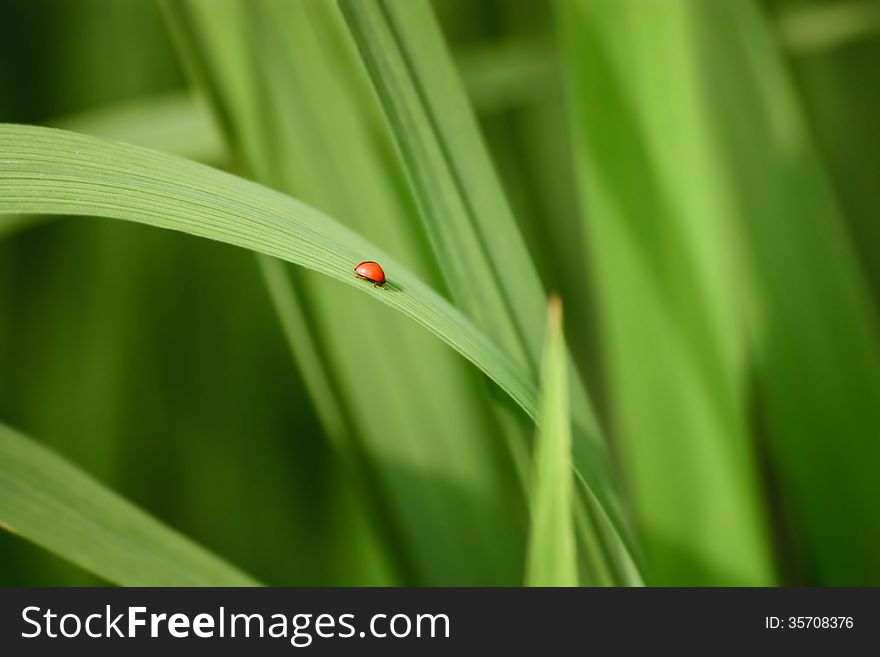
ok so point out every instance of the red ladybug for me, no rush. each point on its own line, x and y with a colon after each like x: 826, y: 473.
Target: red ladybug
x: 370, y: 271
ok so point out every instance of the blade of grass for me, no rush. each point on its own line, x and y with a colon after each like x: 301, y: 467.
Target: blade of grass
x: 50, y: 502
x: 551, y: 556
x: 176, y: 123
x: 52, y: 171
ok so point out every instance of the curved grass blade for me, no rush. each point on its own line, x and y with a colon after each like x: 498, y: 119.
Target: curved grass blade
x: 171, y: 123
x: 52, y: 503
x: 57, y: 172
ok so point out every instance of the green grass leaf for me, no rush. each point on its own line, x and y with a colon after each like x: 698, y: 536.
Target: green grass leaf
x: 51, y: 171
x: 175, y: 123
x: 50, y: 502
x: 551, y: 555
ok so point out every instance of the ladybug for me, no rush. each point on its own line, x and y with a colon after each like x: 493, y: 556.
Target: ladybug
x: 370, y: 271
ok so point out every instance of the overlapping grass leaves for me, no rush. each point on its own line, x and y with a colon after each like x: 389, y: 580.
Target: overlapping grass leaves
x: 463, y: 207
x: 56, y: 172
x: 299, y: 116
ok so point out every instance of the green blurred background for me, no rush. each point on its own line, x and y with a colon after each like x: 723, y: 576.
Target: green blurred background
x: 700, y: 181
